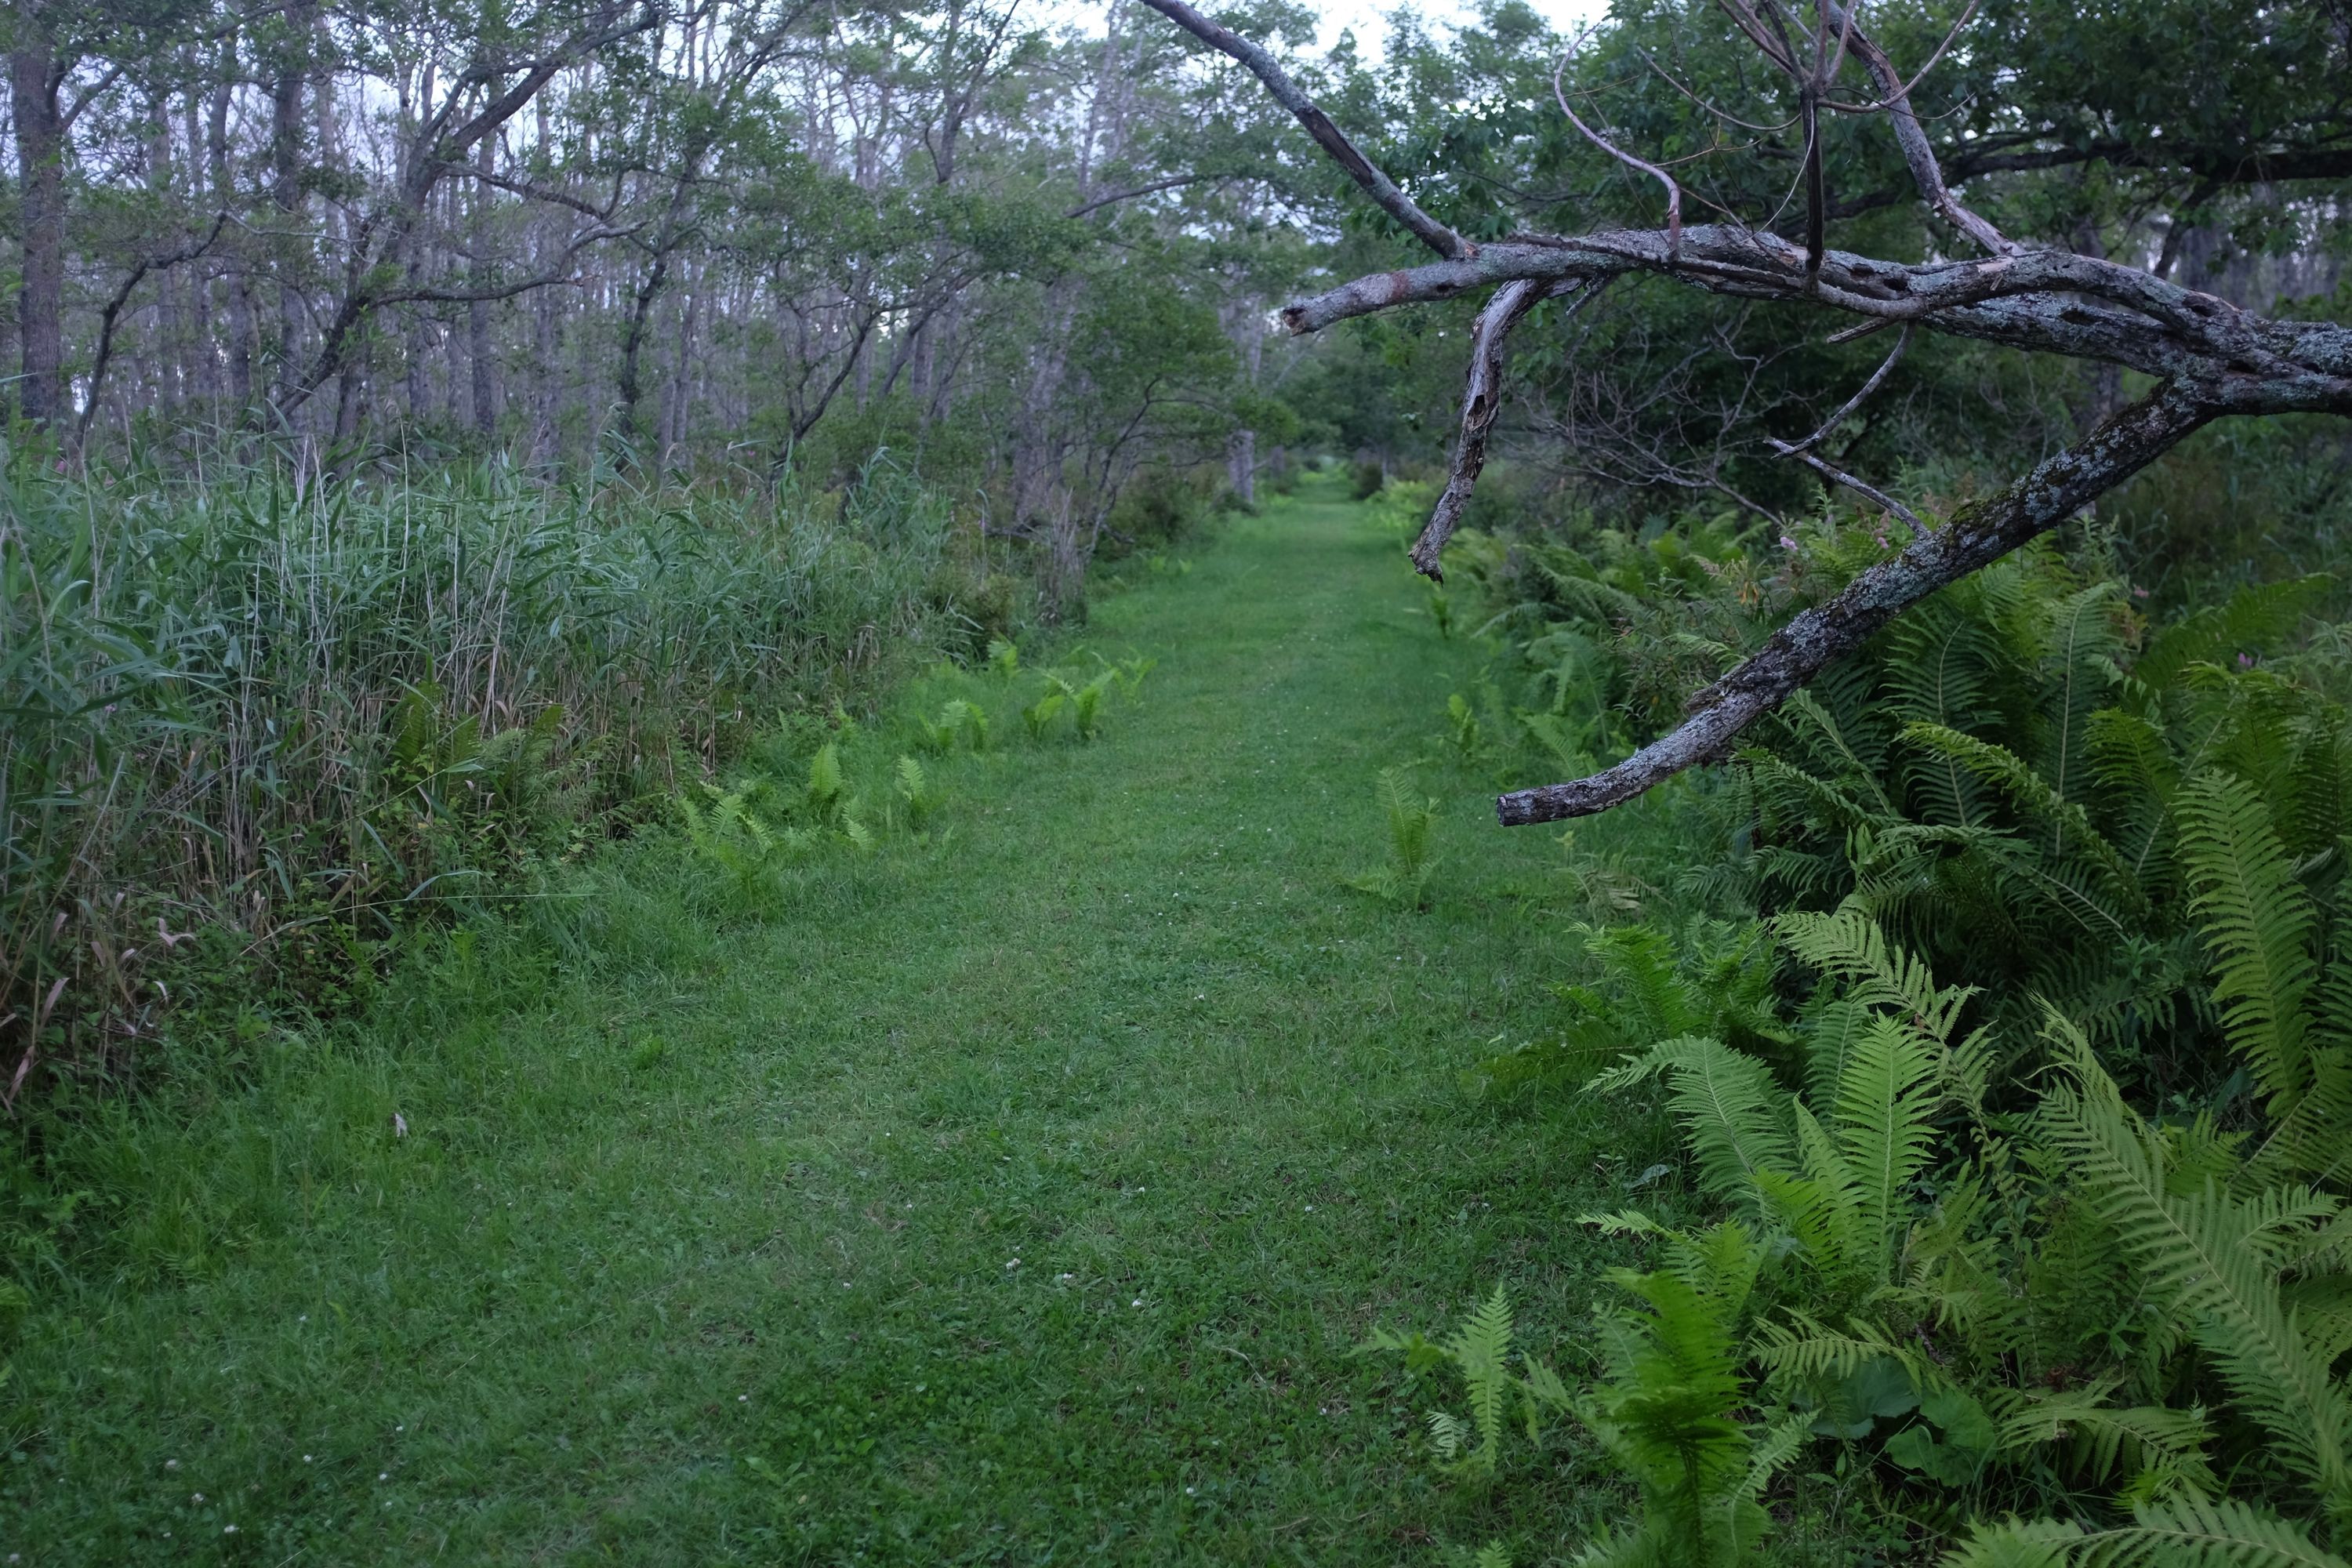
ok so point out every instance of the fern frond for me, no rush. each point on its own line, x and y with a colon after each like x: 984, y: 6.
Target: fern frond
x: 1730, y: 1110
x: 2203, y: 1256
x: 1849, y: 944
x: 2030, y: 792
x: 2187, y: 1533
x: 2102, y: 1439
x: 2257, y: 922
x: 1481, y: 1349
x: 1885, y: 1105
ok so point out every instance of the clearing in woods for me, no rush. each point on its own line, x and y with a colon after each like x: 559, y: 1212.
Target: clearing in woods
x: 1015, y: 1196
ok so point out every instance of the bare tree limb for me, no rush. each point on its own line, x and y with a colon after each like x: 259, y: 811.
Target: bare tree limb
x: 1674, y: 191
x: 111, y: 314
x: 2051, y: 493
x: 1329, y: 137
x: 1837, y: 476
x: 1480, y: 403
x: 1927, y: 173
x: 1856, y: 401
x: 2054, y: 301
x: 1172, y: 182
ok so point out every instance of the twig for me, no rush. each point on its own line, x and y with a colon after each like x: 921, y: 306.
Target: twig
x: 1674, y: 191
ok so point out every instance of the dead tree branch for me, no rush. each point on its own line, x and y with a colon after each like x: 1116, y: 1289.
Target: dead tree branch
x: 1329, y: 137
x: 1481, y: 402
x: 2209, y: 358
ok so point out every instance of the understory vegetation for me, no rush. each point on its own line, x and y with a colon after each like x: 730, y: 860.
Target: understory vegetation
x: 750, y: 760
x: 259, y: 725
x: 2008, y: 1040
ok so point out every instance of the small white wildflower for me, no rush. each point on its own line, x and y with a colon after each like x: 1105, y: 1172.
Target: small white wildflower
x: 200, y: 1497
x: 1014, y: 1264
x: 303, y: 1318
x: 384, y: 1475
x: 171, y: 1464
x: 1188, y: 1491
x: 228, y: 1529
x: 1137, y: 1302
x: 742, y: 1399
x: 1310, y: 1208
x: 1065, y: 1278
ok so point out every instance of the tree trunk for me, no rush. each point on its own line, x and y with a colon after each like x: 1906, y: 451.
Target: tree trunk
x: 477, y: 314
x: 240, y: 294
x: 286, y: 192
x: 40, y: 164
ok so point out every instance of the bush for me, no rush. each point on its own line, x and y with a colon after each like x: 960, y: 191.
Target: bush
x: 304, y: 713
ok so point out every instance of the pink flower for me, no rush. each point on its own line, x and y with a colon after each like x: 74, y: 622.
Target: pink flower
x: 1787, y: 543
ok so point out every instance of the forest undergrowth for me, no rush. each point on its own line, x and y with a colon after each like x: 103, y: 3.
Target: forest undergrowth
x: 1032, y: 1119
x: 983, y: 1132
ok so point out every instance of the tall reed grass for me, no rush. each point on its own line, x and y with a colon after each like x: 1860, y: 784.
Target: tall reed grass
x: 248, y: 721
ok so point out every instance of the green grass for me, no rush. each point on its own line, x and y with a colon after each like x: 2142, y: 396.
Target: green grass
x: 699, y: 1248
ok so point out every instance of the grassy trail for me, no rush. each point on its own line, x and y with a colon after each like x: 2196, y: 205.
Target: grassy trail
x: 700, y: 1246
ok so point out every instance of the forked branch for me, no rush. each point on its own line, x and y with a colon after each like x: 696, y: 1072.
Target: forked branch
x: 2209, y: 358
x: 1481, y: 402
x: 1329, y: 137
x: 1812, y: 641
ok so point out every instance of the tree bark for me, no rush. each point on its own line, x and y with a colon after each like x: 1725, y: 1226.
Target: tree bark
x: 34, y: 80
x: 241, y: 293
x: 286, y: 192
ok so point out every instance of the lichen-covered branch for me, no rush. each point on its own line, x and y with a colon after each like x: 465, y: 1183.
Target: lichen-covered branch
x: 2054, y: 301
x: 1810, y: 642
x: 1481, y: 401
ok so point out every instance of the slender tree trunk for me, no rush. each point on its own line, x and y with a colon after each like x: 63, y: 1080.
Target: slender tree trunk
x: 286, y: 192
x: 41, y: 172
x: 203, y: 369
x: 240, y: 295
x: 168, y: 362
x: 477, y: 312
x: 546, y: 329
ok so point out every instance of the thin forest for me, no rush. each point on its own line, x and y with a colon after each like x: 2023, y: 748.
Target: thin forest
x: 1513, y: 784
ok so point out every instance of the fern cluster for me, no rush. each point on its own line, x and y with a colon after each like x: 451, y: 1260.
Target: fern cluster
x: 2127, y: 1333
x: 2020, y: 788
x: 811, y: 782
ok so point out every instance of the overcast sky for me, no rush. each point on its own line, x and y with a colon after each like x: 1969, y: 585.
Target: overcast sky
x: 1365, y: 17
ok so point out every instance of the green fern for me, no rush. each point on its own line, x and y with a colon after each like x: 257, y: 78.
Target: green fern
x: 2208, y: 1257
x: 826, y: 785
x: 2183, y: 1533
x: 2257, y: 921
x: 915, y: 787
x: 1039, y: 716
x: 1480, y: 1350
x: 1412, y: 821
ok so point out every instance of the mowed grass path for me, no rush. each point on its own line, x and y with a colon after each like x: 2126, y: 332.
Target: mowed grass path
x: 701, y: 1245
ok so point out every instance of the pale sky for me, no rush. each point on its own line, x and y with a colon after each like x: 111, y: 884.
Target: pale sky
x: 1365, y: 17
